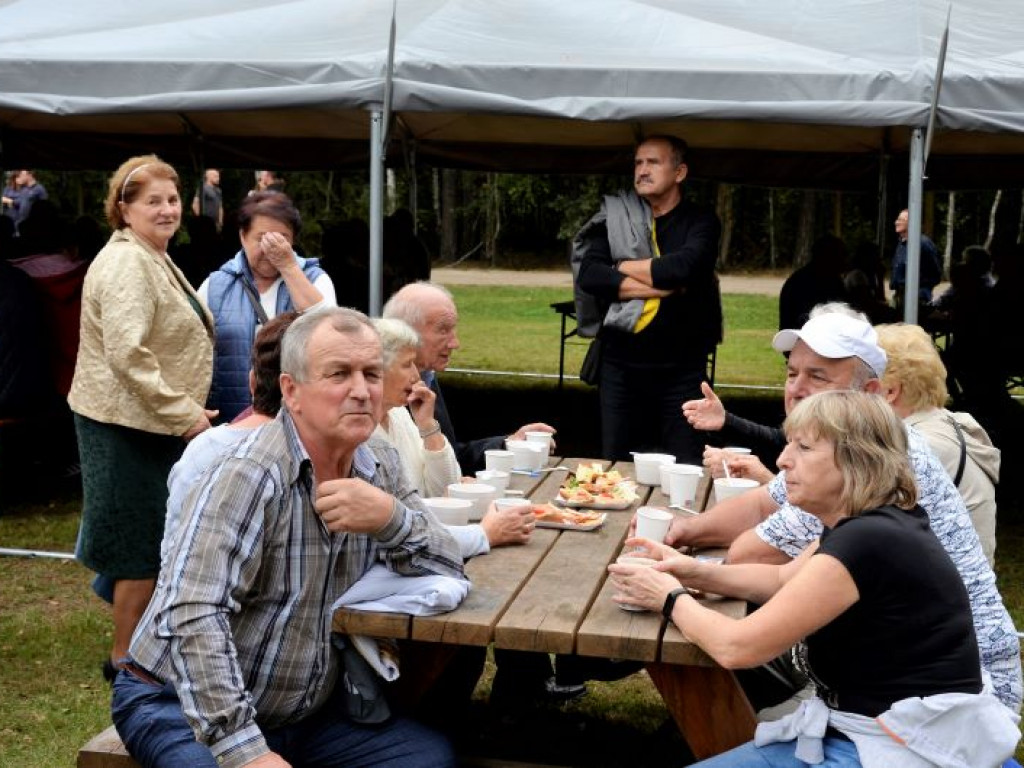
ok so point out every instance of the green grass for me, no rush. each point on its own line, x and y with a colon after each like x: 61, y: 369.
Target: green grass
x: 54, y: 632
x: 506, y: 328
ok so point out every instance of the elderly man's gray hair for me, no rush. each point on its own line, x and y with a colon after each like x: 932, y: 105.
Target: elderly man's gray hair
x: 395, y: 337
x: 295, y: 344
x: 402, y: 306
x: 838, y: 308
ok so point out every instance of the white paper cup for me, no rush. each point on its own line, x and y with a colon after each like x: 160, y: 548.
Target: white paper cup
x: 727, y: 487
x: 511, y: 503
x: 633, y: 560
x: 663, y: 475
x: 683, y: 480
x: 737, y: 449
x: 497, y: 460
x: 526, y: 455
x: 647, y: 466
x: 480, y: 494
x: 448, y: 510
x: 494, y: 477
x: 541, y: 438
x: 653, y: 523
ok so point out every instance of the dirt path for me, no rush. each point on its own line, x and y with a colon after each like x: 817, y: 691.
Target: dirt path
x: 768, y: 285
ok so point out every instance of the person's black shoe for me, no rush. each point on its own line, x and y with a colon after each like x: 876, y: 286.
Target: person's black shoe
x: 559, y: 694
x: 109, y: 671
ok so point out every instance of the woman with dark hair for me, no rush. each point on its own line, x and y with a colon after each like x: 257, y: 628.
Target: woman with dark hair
x: 263, y: 279
x: 264, y: 382
x: 877, y: 612
x: 140, y: 383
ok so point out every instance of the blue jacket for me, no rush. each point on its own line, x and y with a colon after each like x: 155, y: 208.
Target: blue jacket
x: 236, y: 328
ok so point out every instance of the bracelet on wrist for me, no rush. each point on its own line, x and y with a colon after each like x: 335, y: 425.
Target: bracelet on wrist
x: 430, y: 431
x: 670, y: 601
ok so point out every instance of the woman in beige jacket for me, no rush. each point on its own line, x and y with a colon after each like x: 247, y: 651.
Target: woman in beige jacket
x: 141, y: 381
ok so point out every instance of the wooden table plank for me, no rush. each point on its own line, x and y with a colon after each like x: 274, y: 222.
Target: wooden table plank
x: 612, y: 632
x: 496, y: 577
x: 516, y: 564
x: 547, y: 613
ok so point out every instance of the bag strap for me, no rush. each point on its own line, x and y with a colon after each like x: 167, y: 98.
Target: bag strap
x: 963, y: 451
x: 254, y: 299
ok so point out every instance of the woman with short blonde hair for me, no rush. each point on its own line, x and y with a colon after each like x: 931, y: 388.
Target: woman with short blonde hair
x: 877, y: 578
x: 915, y: 386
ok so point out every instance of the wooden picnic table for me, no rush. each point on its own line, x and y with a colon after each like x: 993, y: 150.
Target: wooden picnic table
x: 552, y: 595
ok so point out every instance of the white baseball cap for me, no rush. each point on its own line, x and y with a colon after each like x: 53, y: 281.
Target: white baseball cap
x: 835, y: 336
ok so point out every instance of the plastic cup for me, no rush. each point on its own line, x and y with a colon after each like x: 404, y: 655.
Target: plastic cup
x: 663, y: 476
x: 683, y: 482
x: 448, y: 510
x: 511, y: 503
x: 737, y: 449
x: 541, y: 438
x: 494, y: 477
x: 727, y: 487
x: 480, y: 494
x: 527, y: 456
x: 653, y: 523
x: 633, y: 560
x: 647, y: 464
x: 497, y: 460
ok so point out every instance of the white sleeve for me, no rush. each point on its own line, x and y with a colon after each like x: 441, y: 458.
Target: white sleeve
x: 326, y: 288
x: 471, y: 539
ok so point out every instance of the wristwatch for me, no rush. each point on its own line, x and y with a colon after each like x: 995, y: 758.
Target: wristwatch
x: 670, y: 601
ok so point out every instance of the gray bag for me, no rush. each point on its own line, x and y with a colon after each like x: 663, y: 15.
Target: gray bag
x: 362, y: 689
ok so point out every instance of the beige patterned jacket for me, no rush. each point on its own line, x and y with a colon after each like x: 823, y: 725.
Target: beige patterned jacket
x: 145, y: 359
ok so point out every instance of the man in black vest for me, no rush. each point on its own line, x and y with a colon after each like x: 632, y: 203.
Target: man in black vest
x: 430, y: 310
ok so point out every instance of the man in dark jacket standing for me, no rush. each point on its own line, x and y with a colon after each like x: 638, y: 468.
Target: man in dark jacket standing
x: 650, y: 257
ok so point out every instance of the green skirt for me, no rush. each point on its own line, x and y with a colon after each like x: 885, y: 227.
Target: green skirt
x: 124, y: 487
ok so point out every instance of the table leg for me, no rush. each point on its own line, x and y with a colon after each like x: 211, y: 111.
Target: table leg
x: 708, y: 705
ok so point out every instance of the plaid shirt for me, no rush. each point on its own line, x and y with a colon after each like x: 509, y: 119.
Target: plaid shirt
x: 241, y: 618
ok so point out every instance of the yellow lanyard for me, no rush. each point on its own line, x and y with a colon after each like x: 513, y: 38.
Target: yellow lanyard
x: 650, y: 305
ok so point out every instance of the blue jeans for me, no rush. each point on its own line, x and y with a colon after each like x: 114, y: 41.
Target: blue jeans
x: 839, y: 753
x: 149, y: 720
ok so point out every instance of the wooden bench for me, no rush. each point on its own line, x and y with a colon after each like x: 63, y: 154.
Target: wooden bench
x: 105, y: 750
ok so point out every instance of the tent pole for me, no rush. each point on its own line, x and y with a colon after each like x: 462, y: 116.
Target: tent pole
x: 376, y: 209
x: 914, y: 226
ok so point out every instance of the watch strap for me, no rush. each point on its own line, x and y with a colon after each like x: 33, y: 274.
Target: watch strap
x: 670, y: 601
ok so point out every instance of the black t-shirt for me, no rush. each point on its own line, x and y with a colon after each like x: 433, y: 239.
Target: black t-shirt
x: 910, y: 633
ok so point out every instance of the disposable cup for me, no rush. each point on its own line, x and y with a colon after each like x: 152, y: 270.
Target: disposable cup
x: 737, y: 449
x: 526, y: 455
x: 448, y: 510
x: 494, y: 477
x: 511, y: 503
x: 633, y: 560
x: 497, y: 460
x: 653, y: 523
x: 541, y: 438
x: 647, y: 464
x: 683, y: 482
x: 727, y: 487
x: 663, y: 475
x: 481, y: 494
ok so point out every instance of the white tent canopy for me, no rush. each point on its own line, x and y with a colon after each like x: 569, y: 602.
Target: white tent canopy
x: 763, y: 90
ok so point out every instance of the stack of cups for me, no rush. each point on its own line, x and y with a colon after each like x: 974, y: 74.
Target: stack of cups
x: 527, y: 456
x: 540, y: 438
x: 683, y: 480
x: 651, y: 523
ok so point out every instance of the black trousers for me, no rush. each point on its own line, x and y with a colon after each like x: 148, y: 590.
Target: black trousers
x: 641, y: 410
